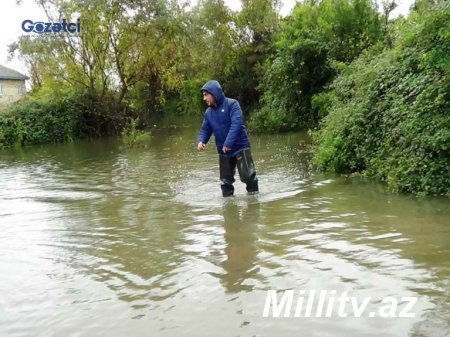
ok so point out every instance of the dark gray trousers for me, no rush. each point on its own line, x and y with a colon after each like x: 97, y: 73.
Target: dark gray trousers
x: 247, y: 172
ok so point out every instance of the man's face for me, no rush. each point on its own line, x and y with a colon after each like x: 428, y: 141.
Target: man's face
x: 209, y: 99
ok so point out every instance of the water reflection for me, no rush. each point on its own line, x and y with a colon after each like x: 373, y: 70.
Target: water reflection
x: 240, y: 225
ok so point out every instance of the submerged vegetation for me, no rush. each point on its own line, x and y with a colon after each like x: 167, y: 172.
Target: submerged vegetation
x: 132, y: 137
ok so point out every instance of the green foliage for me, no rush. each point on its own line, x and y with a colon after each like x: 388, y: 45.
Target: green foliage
x: 217, y: 37
x: 319, y: 36
x: 132, y: 137
x: 257, y: 25
x: 153, y: 56
x: 36, y: 122
x: 189, y: 100
x: 52, y: 119
x: 389, y: 113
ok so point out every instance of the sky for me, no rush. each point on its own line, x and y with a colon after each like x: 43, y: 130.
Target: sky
x: 12, y: 16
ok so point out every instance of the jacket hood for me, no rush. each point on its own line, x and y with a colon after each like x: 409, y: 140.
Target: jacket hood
x: 214, y: 88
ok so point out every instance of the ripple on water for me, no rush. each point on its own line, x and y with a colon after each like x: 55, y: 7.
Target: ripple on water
x: 145, y: 237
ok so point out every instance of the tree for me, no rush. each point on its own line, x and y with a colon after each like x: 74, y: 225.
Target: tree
x: 256, y: 25
x: 315, y: 40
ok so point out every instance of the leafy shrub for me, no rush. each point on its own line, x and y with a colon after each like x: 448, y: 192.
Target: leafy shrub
x: 315, y: 39
x: 389, y: 114
x: 36, y: 122
x: 51, y: 119
x: 189, y: 101
x: 132, y: 137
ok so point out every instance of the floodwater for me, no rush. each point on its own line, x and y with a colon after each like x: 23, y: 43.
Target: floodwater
x: 97, y: 240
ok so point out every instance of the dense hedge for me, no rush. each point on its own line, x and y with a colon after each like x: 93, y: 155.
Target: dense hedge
x: 60, y: 119
x: 389, y: 112
x: 34, y: 122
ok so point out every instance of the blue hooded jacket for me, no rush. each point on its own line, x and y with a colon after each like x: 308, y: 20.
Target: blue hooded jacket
x: 225, y: 120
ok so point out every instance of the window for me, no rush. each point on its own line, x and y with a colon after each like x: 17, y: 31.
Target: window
x: 20, y: 90
x: 10, y: 99
x: 1, y: 89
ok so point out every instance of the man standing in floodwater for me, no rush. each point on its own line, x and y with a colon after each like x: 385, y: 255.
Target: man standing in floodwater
x: 224, y: 118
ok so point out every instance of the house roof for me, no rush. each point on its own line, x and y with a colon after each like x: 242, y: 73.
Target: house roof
x: 10, y: 74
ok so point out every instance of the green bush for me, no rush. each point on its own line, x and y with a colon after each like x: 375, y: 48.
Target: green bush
x: 50, y: 119
x: 189, y: 101
x: 36, y: 122
x: 132, y: 137
x: 389, y: 113
x: 315, y: 40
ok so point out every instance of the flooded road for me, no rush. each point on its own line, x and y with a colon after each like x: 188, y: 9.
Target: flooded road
x: 97, y: 240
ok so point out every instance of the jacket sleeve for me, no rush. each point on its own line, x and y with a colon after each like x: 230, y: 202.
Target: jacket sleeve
x: 236, y: 125
x: 205, y: 131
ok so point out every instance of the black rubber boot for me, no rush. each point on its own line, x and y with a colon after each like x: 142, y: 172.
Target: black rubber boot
x: 252, y: 186
x: 227, y: 167
x: 227, y: 190
x: 247, y: 171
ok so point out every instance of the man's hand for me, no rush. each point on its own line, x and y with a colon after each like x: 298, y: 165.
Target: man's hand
x: 201, y: 146
x: 226, y: 149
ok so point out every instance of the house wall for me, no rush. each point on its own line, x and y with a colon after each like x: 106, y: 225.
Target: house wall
x: 9, y: 91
